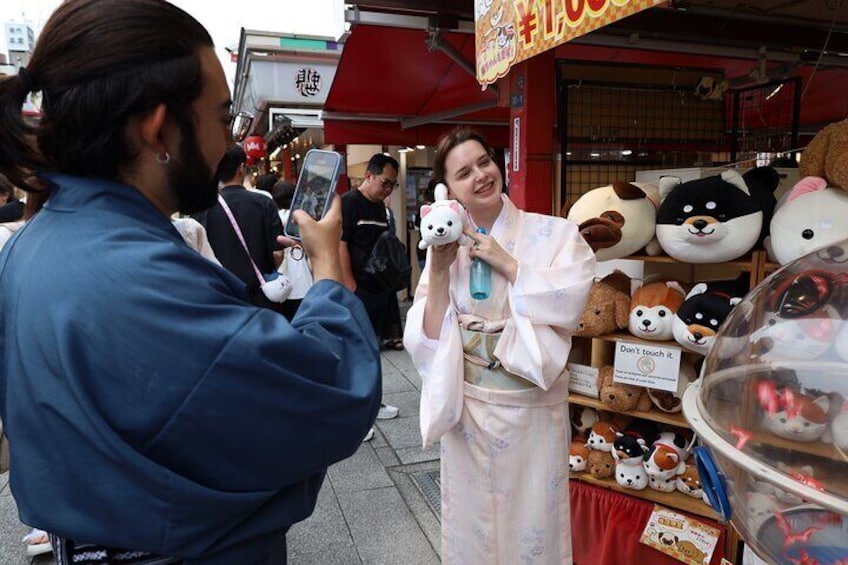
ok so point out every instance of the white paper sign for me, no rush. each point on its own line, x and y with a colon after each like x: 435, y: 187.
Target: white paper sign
x: 646, y: 365
x: 516, y: 144
x: 583, y: 379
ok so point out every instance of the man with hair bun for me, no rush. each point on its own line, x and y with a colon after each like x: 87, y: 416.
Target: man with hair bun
x: 153, y: 414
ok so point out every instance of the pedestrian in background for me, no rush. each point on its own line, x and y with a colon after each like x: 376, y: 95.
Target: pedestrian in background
x: 364, y: 219
x: 257, y: 220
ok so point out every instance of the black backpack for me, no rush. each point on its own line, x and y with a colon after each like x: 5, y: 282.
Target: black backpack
x: 388, y: 264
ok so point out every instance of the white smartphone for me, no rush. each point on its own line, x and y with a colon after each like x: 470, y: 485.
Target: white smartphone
x: 315, y: 187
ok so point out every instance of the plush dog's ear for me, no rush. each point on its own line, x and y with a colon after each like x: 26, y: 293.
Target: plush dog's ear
x: 426, y: 209
x: 699, y: 288
x: 805, y: 186
x: 456, y: 207
x: 667, y: 184
x: 734, y: 178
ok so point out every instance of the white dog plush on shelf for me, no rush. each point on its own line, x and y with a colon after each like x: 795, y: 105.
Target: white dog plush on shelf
x: 442, y: 221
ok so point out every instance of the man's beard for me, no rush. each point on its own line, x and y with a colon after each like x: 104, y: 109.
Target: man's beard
x: 190, y: 177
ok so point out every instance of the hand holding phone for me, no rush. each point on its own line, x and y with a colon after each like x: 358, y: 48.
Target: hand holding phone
x: 321, y: 241
x: 315, y: 187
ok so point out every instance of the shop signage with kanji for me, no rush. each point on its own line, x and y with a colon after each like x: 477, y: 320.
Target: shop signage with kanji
x: 510, y: 31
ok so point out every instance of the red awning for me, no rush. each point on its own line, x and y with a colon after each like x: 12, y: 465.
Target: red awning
x: 388, y: 82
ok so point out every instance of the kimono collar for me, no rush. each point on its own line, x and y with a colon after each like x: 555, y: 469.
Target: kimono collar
x: 70, y: 194
x: 506, y: 217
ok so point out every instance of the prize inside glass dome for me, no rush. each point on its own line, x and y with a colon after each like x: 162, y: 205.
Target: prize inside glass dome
x: 772, y: 410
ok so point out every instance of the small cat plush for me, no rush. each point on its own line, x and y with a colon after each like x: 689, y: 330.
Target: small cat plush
x: 443, y: 221
x: 801, y: 418
x: 800, y: 339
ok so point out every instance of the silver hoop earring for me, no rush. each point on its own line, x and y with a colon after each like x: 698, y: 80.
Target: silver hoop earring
x: 163, y: 159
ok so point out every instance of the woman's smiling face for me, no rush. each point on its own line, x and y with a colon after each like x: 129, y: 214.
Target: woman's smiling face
x: 473, y: 177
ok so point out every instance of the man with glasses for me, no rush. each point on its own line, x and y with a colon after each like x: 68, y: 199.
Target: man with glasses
x: 364, y: 219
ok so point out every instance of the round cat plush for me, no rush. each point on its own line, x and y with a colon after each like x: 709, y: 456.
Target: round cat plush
x: 443, y: 221
x: 717, y: 218
x: 618, y: 220
x: 799, y: 321
x: 810, y: 216
x: 804, y: 418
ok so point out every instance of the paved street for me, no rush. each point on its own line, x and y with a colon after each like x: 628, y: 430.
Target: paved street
x: 378, y: 507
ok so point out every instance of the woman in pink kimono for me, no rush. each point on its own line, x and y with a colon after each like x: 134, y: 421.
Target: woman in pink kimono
x: 495, y: 387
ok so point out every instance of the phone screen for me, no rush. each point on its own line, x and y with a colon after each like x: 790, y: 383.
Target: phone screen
x: 315, y: 186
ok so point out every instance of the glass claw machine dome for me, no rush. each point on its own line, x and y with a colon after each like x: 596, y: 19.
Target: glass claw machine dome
x: 771, y: 407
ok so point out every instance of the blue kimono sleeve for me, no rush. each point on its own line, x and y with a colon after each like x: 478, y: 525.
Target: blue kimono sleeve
x: 281, y: 402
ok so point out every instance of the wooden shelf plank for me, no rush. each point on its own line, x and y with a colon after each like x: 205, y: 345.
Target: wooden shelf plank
x: 675, y: 500
x: 817, y: 448
x: 674, y: 419
x: 746, y: 263
x: 627, y: 336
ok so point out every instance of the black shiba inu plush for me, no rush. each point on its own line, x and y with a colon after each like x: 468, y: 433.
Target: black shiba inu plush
x: 706, y: 306
x: 718, y: 218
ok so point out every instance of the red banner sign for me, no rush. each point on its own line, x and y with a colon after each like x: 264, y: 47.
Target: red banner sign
x: 510, y: 31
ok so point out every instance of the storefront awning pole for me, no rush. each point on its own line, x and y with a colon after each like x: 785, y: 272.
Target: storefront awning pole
x: 435, y: 41
x: 446, y: 114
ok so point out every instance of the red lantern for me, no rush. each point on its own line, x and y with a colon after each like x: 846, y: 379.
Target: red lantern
x: 255, y: 148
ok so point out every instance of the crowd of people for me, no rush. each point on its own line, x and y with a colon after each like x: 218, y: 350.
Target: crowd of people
x: 156, y: 376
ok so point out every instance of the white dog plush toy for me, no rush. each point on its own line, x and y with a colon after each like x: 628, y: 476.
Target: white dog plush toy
x: 442, y: 221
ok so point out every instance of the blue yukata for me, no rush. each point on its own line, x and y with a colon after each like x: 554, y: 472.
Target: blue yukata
x: 148, y: 406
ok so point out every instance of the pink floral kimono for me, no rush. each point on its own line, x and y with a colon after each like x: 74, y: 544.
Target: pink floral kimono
x: 495, y: 392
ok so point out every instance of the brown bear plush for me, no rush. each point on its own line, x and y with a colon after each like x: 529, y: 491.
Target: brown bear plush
x: 827, y: 156
x: 621, y: 397
x: 608, y: 308
x: 600, y: 464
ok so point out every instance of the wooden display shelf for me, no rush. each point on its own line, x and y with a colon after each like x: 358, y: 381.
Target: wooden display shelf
x: 817, y: 448
x: 674, y: 419
x: 675, y: 500
x: 747, y: 263
x: 770, y: 267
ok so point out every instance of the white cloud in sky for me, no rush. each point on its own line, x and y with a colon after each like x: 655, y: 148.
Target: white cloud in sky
x: 302, y: 17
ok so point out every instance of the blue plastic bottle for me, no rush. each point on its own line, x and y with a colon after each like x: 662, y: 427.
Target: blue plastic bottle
x: 480, y: 277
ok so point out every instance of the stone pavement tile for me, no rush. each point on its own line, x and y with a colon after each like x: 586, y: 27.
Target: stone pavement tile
x: 394, y: 380
x: 12, y: 550
x: 387, y: 456
x: 361, y: 471
x: 403, y: 363
x: 416, y: 454
x: 335, y: 555
x: 402, y: 432
x: 408, y: 403
x: 326, y: 527
x: 384, y: 530
x: 427, y: 519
